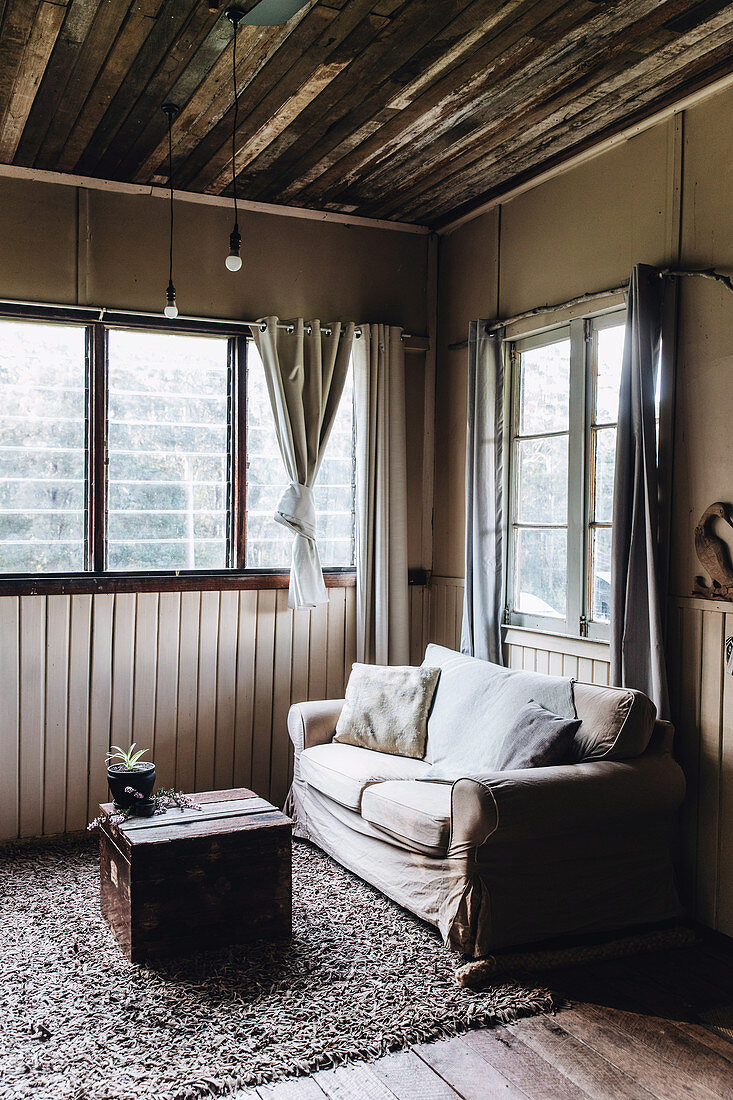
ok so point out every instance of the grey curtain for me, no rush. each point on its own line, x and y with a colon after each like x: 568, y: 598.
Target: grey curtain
x: 485, y: 493
x: 382, y: 607
x: 305, y: 367
x: 637, y: 639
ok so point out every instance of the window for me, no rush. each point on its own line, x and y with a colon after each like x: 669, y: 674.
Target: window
x: 43, y: 433
x: 564, y: 393
x: 168, y: 451
x: 126, y: 447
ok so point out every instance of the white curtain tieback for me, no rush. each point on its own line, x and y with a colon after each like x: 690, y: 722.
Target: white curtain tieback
x: 296, y: 510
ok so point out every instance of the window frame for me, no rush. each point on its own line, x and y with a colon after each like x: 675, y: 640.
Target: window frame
x: 581, y: 331
x: 96, y: 577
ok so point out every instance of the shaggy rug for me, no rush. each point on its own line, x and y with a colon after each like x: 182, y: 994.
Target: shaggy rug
x: 360, y: 977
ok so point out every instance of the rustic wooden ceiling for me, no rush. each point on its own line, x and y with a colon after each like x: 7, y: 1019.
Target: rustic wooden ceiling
x: 403, y: 109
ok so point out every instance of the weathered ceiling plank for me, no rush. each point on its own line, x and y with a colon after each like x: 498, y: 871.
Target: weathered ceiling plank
x: 128, y: 44
x: 558, y: 145
x: 402, y: 109
x: 269, y: 94
x: 463, y: 98
x: 213, y: 98
x: 32, y: 60
x: 536, y: 94
x: 351, y: 109
x: 79, y: 18
x: 89, y: 60
x: 615, y: 101
x: 168, y: 25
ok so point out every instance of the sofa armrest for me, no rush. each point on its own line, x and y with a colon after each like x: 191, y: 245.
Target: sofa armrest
x: 563, y: 801
x: 313, y: 723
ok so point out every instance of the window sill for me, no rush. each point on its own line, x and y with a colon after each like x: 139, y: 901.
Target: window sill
x: 223, y: 581
x: 594, y: 648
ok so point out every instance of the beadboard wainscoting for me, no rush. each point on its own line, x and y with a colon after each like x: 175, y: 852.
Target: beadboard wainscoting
x: 203, y: 679
x: 702, y: 706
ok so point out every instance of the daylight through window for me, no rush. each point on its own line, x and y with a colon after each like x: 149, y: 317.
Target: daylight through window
x: 120, y: 448
x: 565, y: 389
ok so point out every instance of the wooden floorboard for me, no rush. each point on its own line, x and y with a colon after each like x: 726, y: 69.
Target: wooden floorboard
x: 627, y: 1030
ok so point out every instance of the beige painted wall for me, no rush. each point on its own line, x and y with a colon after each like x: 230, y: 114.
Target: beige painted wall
x: 667, y: 192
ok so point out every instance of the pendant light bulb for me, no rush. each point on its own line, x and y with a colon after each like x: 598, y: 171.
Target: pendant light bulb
x: 234, y: 260
x: 171, y: 309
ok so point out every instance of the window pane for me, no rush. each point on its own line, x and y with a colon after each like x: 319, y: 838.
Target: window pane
x: 604, y: 474
x: 541, y: 572
x: 542, y: 471
x: 544, y: 389
x: 168, y: 451
x: 270, y: 545
x: 601, y: 609
x: 42, y: 447
x: 610, y: 353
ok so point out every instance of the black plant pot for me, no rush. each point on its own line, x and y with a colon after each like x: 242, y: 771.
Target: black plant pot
x: 141, y: 778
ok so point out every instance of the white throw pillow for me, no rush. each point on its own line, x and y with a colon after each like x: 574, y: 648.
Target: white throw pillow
x: 475, y: 706
x: 386, y: 708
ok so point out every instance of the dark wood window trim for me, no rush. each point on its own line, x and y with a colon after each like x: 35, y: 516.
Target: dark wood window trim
x: 72, y: 584
x: 97, y: 579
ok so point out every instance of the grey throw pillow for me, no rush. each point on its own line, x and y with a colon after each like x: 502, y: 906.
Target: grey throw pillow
x: 386, y: 708
x: 537, y: 739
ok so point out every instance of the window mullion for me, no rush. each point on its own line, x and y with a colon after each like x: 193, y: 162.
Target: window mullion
x: 98, y: 449
x: 238, y: 431
x: 576, y: 466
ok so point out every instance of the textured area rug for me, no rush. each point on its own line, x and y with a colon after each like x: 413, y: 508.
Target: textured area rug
x: 360, y: 977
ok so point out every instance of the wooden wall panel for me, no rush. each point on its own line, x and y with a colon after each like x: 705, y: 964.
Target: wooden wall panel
x: 702, y: 704
x: 202, y: 679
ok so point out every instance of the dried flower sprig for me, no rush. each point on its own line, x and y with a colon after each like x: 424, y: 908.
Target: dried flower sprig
x: 165, y: 799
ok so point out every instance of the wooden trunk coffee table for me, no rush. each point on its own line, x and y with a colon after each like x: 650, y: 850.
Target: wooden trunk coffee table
x: 194, y: 881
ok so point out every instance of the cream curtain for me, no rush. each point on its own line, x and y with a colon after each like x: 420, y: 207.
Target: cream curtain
x: 305, y: 367
x: 382, y: 613
x: 484, y: 593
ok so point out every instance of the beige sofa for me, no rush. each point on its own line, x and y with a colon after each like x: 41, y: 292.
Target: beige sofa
x: 510, y: 857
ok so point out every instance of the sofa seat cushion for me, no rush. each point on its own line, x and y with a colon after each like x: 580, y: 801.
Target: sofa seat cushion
x: 344, y: 771
x: 417, y: 813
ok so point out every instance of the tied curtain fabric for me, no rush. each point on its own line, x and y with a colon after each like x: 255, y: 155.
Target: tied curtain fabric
x: 305, y: 368
x: 382, y: 611
x: 637, y: 637
x: 485, y: 495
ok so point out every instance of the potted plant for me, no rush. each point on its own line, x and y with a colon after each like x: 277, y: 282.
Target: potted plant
x: 131, y: 779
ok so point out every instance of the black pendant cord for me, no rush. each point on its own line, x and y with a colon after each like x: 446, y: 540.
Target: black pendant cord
x: 170, y: 183
x: 234, y: 127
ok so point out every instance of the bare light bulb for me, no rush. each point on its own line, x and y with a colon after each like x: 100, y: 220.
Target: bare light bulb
x: 171, y: 309
x: 234, y: 260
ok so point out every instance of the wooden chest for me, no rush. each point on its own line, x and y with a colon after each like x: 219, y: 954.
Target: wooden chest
x: 172, y: 887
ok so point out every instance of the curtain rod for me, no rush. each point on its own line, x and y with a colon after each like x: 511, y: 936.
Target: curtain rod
x: 581, y: 299
x: 101, y: 311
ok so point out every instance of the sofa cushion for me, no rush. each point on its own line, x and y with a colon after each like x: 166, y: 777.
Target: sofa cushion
x: 416, y: 813
x: 617, y: 723
x: 475, y: 706
x: 343, y: 771
x: 537, y: 739
x: 386, y: 708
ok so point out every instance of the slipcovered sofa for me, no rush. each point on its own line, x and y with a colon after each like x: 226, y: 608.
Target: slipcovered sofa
x: 508, y: 857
